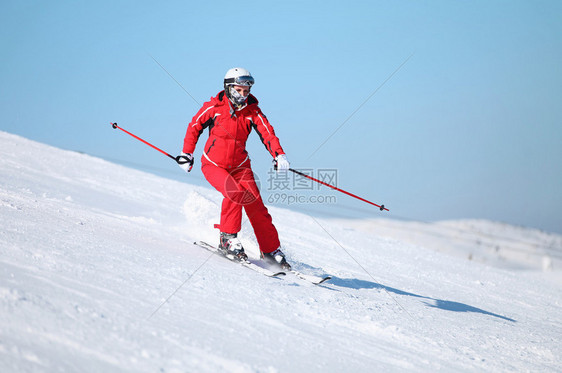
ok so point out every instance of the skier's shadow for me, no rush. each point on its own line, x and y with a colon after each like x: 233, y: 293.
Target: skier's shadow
x: 353, y: 283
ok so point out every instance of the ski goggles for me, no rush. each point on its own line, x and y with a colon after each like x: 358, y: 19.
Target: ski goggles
x: 246, y: 80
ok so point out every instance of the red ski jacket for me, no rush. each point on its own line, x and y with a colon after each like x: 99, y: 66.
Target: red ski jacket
x: 228, y: 131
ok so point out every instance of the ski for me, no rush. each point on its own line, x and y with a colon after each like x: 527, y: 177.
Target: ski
x: 247, y: 263
x: 316, y: 280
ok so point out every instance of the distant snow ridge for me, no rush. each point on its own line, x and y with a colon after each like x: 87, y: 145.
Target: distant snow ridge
x: 495, y: 241
x: 483, y: 241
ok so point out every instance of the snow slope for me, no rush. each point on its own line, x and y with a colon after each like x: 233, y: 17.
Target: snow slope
x: 98, y: 274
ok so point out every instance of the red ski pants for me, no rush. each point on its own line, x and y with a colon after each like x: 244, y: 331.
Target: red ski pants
x: 239, y: 190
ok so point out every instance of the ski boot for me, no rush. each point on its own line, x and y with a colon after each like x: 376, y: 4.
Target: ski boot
x: 231, y: 247
x: 277, y: 258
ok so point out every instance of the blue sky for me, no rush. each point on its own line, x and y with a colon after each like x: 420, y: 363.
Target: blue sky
x: 469, y: 127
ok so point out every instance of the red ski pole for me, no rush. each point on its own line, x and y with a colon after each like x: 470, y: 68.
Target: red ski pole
x: 381, y: 207
x: 114, y: 125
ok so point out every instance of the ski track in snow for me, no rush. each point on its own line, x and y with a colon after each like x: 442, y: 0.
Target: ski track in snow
x: 98, y: 273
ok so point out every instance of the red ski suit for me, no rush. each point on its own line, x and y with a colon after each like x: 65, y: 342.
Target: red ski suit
x: 226, y: 164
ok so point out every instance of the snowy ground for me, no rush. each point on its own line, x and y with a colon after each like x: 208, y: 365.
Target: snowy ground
x: 98, y: 274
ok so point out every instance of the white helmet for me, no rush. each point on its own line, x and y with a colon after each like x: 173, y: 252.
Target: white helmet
x: 237, y: 76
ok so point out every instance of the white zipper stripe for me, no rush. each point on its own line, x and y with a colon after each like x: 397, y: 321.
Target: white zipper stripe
x: 209, y: 159
x: 263, y: 122
x: 245, y: 159
x: 197, y: 120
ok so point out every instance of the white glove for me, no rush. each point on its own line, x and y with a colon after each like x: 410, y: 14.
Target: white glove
x: 281, y: 163
x: 185, y: 161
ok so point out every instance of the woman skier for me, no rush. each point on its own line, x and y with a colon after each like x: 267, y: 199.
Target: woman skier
x: 230, y: 116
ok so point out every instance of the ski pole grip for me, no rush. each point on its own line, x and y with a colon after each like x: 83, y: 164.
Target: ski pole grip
x: 114, y: 125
